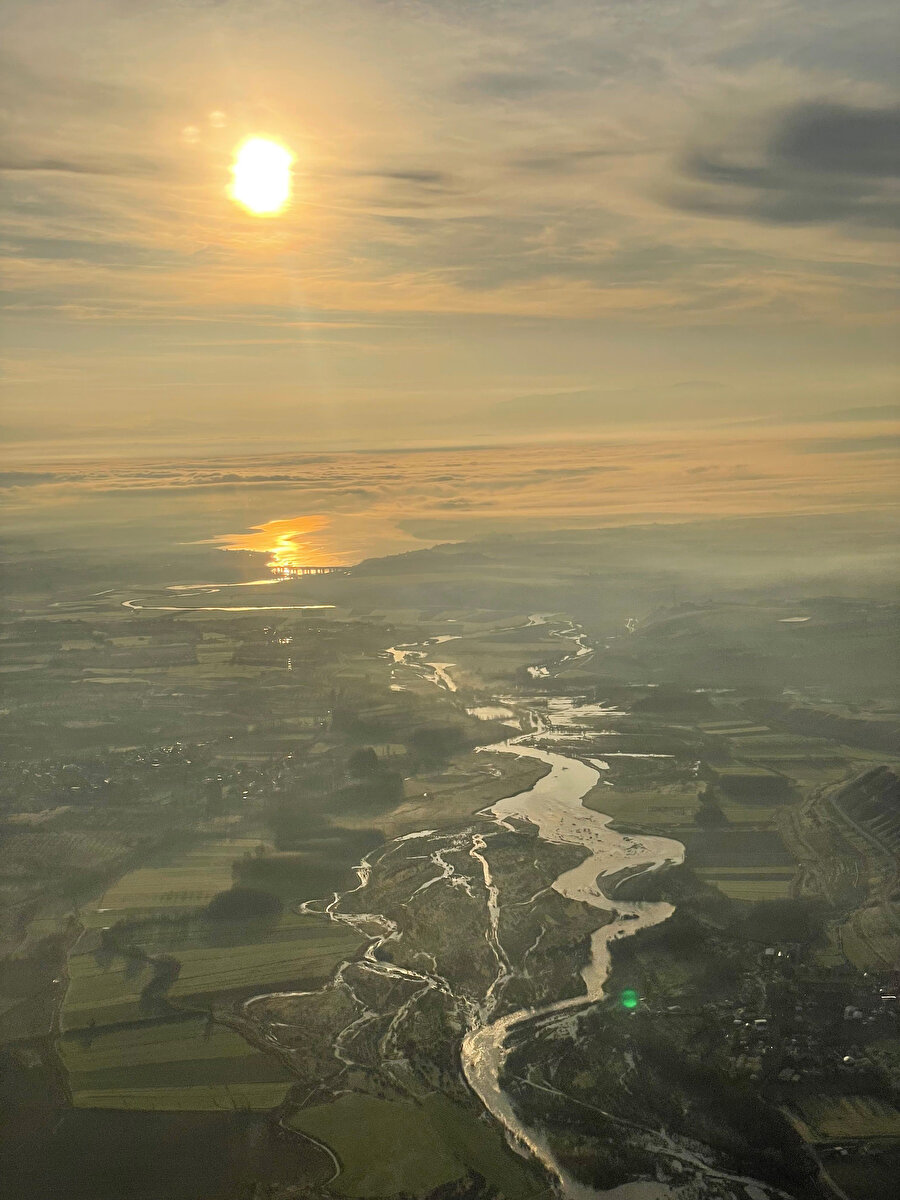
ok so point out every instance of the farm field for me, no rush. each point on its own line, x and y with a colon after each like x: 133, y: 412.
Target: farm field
x: 808, y: 772
x: 830, y: 1118
x: 760, y: 848
x: 750, y: 817
x: 191, y: 879
x: 741, y: 770
x: 214, y: 959
x: 669, y: 804
x: 733, y: 729
x: 432, y: 1143
x: 744, y: 864
x: 257, y: 1097
x: 304, y: 951
x: 726, y: 727
x: 174, y: 1065
x: 437, y: 800
x: 107, y: 993
x: 745, y: 856
x: 741, y: 884
x: 870, y: 938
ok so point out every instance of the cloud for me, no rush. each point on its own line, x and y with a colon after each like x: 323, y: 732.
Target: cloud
x: 424, y: 178
x: 11, y: 479
x: 870, y: 412
x: 61, y: 88
x: 406, y: 191
x: 105, y: 253
x: 861, y: 445
x: 840, y: 141
x: 477, y: 183
x: 564, y: 161
x: 125, y: 166
x: 511, y: 84
x: 369, y: 499
x: 818, y: 162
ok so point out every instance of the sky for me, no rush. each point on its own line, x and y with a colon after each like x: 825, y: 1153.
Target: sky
x: 511, y: 221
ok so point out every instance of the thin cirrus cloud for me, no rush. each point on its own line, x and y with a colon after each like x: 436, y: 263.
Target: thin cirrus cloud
x: 121, y: 166
x: 557, y: 199
x: 885, y: 445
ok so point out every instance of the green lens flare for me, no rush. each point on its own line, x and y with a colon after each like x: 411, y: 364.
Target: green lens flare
x: 629, y: 998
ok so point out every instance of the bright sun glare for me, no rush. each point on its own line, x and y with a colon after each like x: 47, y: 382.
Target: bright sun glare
x: 262, y: 176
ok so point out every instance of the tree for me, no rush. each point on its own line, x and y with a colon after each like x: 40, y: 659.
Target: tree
x: 363, y: 762
x: 435, y: 743
x: 710, y: 816
x: 240, y: 903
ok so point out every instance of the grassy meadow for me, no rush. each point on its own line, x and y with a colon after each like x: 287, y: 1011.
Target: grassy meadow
x: 175, y: 1065
x: 432, y: 1143
x: 831, y: 1118
x: 189, y: 881
x: 216, y: 960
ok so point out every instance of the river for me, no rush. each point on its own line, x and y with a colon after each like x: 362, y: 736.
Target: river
x: 554, y: 805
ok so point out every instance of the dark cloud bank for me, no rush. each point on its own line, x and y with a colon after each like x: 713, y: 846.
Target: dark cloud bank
x: 821, y: 162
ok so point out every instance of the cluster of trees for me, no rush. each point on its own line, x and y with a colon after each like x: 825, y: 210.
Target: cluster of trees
x: 371, y: 784
x: 295, y: 819
x: 432, y: 745
x: 317, y: 863
x: 242, y: 903
x: 709, y: 815
x: 166, y: 969
x: 800, y: 920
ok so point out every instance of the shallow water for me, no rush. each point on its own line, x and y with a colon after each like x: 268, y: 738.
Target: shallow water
x: 555, y: 806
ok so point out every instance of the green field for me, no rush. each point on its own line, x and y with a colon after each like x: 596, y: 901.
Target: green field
x: 105, y: 993
x: 754, y: 849
x: 247, y: 1096
x: 725, y: 728
x: 740, y: 884
x: 667, y: 804
x: 386, y: 1147
x: 190, y: 880
x: 171, y: 1066
x: 443, y: 798
x: 738, y: 731
x: 213, y: 960
x: 121, y: 1051
x: 299, y: 948
x: 744, y: 864
x: 743, y: 770
x: 829, y: 1118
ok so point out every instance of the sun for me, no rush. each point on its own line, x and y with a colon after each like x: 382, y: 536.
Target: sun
x: 262, y: 176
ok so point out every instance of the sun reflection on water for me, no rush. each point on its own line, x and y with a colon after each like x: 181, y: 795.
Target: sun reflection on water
x: 288, y: 543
